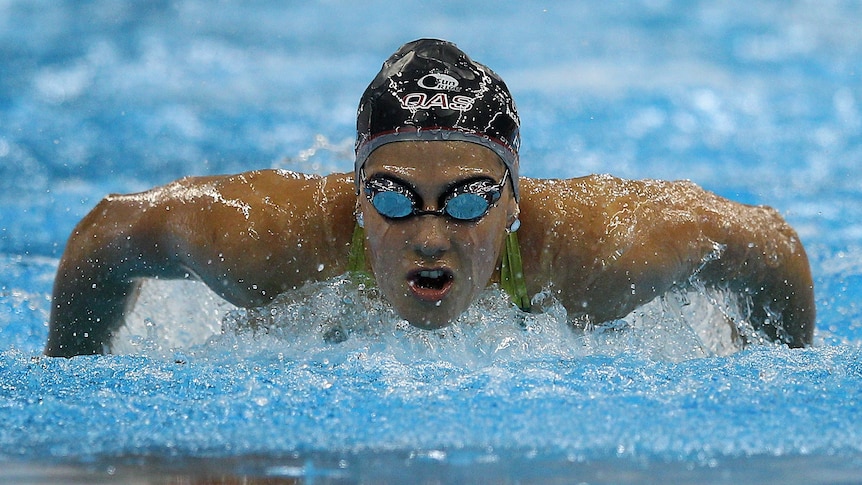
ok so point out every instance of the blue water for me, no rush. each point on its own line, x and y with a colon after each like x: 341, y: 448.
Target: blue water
x: 758, y: 101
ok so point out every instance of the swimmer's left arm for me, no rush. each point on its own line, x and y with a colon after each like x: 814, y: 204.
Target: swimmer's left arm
x: 689, y: 234
x: 610, y: 245
x: 762, y: 257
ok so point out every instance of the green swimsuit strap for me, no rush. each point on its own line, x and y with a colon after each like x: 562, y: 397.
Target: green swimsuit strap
x: 356, y: 256
x: 511, y: 267
x: 512, y: 273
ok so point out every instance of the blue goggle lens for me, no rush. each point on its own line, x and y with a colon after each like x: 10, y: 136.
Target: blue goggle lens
x: 466, y: 206
x: 392, y: 204
x: 466, y: 202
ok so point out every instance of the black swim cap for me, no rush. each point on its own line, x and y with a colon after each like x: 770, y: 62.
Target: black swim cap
x: 430, y: 90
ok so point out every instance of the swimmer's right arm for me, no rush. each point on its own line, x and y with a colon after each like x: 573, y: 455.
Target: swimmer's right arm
x: 95, y: 278
x: 249, y: 237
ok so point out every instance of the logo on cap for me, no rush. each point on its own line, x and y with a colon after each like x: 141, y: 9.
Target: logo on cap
x: 438, y: 82
x: 417, y: 101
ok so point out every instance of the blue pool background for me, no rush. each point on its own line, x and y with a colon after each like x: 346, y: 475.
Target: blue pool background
x: 758, y: 101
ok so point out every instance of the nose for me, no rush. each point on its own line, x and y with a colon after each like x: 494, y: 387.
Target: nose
x: 432, y: 236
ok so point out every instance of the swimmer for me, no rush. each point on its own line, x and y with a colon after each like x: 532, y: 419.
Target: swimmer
x: 436, y: 211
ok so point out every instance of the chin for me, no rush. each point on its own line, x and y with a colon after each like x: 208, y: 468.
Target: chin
x: 430, y: 319
x: 425, y: 314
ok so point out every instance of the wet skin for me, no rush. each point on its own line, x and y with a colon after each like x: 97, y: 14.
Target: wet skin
x: 602, y: 245
x: 430, y: 267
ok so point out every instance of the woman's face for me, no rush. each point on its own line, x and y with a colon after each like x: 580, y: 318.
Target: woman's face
x: 431, y: 267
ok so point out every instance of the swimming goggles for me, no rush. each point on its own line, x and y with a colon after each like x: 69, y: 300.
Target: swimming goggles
x: 468, y: 201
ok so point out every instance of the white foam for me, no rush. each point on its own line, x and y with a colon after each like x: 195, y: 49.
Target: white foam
x: 170, y: 314
x: 340, y: 316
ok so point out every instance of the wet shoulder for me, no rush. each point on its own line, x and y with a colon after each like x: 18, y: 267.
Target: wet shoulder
x: 596, y: 207
x: 607, y: 202
x: 602, y: 190
x: 261, y: 196
x: 280, y: 182
x: 275, y: 193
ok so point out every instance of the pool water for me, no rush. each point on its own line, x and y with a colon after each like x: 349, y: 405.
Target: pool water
x: 758, y: 101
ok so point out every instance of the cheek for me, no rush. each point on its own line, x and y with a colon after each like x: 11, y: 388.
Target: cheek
x: 482, y: 249
x: 385, y: 242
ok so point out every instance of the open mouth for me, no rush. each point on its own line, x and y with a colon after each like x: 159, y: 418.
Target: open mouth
x: 430, y: 284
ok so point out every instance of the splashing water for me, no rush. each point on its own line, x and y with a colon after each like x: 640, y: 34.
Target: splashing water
x: 345, y: 316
